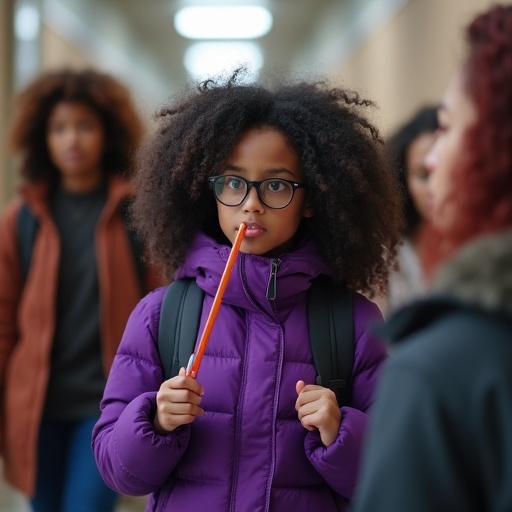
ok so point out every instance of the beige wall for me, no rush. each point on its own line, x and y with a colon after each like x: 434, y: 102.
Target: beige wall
x: 5, y: 96
x: 409, y: 61
x: 57, y: 52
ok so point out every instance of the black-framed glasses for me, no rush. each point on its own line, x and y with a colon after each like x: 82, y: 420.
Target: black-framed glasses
x: 275, y: 193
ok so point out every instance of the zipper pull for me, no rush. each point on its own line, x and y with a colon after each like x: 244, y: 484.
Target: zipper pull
x: 272, y: 281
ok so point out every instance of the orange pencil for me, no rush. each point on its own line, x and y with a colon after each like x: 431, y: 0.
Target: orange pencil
x: 195, y: 358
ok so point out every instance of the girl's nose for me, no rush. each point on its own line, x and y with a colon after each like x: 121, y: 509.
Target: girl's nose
x: 70, y: 137
x: 252, y: 202
x: 430, y: 160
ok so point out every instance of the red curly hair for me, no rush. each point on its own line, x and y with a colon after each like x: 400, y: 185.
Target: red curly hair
x: 483, y: 180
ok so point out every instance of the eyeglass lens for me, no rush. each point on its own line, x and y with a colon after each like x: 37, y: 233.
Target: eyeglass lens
x: 273, y: 192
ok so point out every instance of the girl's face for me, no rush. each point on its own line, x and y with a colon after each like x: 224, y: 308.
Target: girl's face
x: 456, y: 115
x: 263, y: 153
x: 75, y: 139
x: 418, y: 175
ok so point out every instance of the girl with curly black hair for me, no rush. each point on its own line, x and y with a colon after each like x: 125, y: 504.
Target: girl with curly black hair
x: 70, y: 274
x: 302, y: 168
x: 407, y: 149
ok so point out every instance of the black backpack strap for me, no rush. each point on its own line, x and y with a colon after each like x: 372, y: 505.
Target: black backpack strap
x: 179, y: 323
x: 136, y: 244
x: 26, y: 228
x: 331, y: 332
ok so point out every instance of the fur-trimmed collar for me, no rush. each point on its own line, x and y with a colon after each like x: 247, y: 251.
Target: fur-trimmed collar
x: 479, y: 276
x: 480, y: 273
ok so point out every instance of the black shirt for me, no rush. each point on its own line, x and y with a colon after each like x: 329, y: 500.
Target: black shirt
x: 77, y: 378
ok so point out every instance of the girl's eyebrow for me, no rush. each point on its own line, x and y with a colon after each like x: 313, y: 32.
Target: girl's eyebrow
x: 230, y: 167
x: 271, y: 172
x: 280, y: 170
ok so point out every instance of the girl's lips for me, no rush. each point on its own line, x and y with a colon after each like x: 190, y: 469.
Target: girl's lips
x: 254, y: 230
x: 73, y: 156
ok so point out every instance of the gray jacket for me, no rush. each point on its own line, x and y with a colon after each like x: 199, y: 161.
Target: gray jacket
x: 441, y: 432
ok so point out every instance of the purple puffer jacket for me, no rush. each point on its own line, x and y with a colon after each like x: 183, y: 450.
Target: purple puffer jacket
x: 249, y: 452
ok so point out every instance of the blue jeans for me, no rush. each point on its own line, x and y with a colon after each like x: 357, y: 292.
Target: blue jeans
x: 67, y: 477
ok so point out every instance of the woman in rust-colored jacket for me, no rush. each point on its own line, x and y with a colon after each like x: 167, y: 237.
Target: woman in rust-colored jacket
x: 62, y: 316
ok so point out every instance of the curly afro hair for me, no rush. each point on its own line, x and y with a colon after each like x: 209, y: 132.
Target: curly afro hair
x: 99, y: 91
x: 354, y: 197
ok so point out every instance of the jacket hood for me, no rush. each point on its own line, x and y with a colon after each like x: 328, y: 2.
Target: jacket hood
x: 247, y: 287
x: 479, y: 276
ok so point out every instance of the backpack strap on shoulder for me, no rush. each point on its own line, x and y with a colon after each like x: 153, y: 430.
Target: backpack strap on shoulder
x: 26, y: 231
x: 331, y: 332
x: 179, y: 324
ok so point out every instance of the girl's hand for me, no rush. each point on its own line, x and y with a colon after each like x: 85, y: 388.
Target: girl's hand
x: 318, y: 408
x: 177, y: 403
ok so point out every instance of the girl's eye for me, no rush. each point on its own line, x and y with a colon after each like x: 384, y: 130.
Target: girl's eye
x: 85, y: 126
x: 56, y: 128
x: 423, y: 175
x: 234, y: 183
x: 275, y: 186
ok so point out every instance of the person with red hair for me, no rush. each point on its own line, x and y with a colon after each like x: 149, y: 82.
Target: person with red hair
x: 441, y: 434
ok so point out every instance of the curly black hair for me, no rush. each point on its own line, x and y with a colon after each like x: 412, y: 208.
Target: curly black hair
x: 423, y: 121
x: 99, y: 91
x: 354, y: 196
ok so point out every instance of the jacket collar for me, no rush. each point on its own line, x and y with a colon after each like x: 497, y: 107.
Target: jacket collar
x: 479, y: 276
x: 36, y: 195
x: 247, y: 288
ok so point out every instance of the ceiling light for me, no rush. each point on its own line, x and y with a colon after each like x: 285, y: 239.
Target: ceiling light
x: 26, y: 23
x: 207, y: 60
x: 223, y: 22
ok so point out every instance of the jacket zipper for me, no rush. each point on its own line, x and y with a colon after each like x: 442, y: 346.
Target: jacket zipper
x: 274, y: 415
x: 276, y: 262
x: 272, y: 280
x: 234, y: 479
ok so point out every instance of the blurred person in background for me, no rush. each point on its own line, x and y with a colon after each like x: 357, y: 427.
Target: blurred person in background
x: 441, y: 435
x: 70, y: 274
x: 407, y: 149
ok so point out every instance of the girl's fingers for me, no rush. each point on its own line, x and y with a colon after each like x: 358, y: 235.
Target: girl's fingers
x: 299, y: 386
x: 183, y: 382
x: 309, y: 408
x: 171, y: 423
x: 311, y: 421
x: 306, y: 397
x: 182, y: 408
x: 180, y: 396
